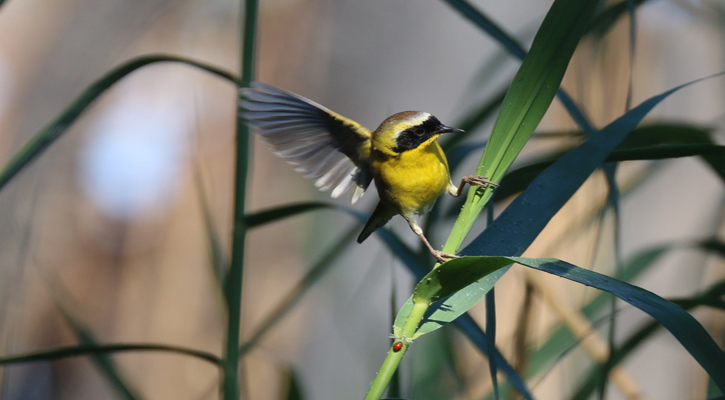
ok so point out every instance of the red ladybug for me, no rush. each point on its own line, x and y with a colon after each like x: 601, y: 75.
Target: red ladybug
x: 397, y: 346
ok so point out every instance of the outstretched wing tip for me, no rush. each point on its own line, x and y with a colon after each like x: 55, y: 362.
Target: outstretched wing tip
x: 319, y: 143
x: 357, y: 194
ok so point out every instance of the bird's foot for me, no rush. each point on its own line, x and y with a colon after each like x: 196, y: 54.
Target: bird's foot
x: 442, y: 257
x: 479, y: 180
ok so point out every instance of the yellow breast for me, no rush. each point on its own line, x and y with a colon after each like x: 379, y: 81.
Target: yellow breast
x: 412, y: 181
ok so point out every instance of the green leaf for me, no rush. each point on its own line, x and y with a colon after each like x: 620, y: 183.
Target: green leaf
x: 453, y: 276
x: 535, y: 84
x: 561, y: 340
x: 77, y: 351
x: 471, y: 122
x: 683, y: 134
x: 105, y: 364
x: 439, y: 315
x: 473, y: 332
x: 412, y: 260
x: 650, y: 142
x: 491, y: 342
x: 465, y: 323
x: 294, y: 389
x: 517, y: 180
x: 522, y: 221
x: 605, y: 20
x: 686, y: 329
x: 294, y: 295
x: 218, y: 258
x: 712, y: 297
x: 415, y: 264
x: 253, y: 220
x: 526, y: 101
x: 486, y: 24
x: 670, y: 151
x: 51, y: 132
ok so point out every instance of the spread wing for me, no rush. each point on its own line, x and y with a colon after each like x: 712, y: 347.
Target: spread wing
x: 321, y: 144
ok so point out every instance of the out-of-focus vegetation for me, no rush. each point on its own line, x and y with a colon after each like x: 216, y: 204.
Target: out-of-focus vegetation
x: 120, y: 189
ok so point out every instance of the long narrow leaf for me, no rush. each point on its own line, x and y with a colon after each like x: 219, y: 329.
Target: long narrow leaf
x: 693, y: 337
x: 651, y: 142
x: 522, y: 221
x: 491, y: 342
x: 605, y: 20
x: 51, y: 132
x: 77, y: 351
x: 520, y: 178
x: 473, y: 332
x: 253, y: 220
x: 294, y: 389
x: 561, y: 340
x: 711, y: 297
x: 472, y: 121
x: 485, y: 23
x: 104, y: 362
x: 683, y: 134
x: 490, y: 27
x: 528, y: 98
x: 295, y: 294
x: 525, y: 103
x: 466, y: 324
x: 535, y: 84
x: 217, y: 257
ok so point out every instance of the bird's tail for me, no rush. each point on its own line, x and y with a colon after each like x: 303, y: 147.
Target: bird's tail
x: 380, y: 217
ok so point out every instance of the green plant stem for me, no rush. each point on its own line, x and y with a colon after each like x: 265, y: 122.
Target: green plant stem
x: 385, y: 373
x: 392, y: 360
x: 524, y: 104
x: 469, y: 213
x: 472, y: 208
x: 233, y: 284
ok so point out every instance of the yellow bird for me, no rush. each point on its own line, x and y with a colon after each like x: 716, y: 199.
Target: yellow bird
x: 402, y: 155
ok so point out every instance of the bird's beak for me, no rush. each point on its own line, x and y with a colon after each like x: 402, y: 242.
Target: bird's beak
x: 448, y: 129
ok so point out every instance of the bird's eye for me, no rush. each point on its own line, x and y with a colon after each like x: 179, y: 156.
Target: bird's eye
x: 419, y: 131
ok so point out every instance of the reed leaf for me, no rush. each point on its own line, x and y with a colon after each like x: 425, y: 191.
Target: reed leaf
x: 42, y: 140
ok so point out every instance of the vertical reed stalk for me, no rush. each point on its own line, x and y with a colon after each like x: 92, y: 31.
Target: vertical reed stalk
x: 233, y: 289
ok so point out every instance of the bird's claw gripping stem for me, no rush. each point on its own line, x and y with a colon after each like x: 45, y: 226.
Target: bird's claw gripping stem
x: 442, y: 257
x: 479, y: 180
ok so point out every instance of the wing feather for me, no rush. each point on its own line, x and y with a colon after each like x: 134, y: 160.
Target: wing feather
x: 324, y: 146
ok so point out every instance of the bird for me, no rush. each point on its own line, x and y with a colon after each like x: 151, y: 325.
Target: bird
x: 402, y: 156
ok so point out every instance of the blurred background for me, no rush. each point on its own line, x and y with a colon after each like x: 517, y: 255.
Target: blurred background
x: 108, y: 230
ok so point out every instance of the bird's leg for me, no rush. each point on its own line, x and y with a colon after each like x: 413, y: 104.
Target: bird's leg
x: 477, y: 180
x: 439, y: 255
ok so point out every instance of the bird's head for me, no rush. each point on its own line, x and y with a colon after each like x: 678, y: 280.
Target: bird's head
x: 408, y: 130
